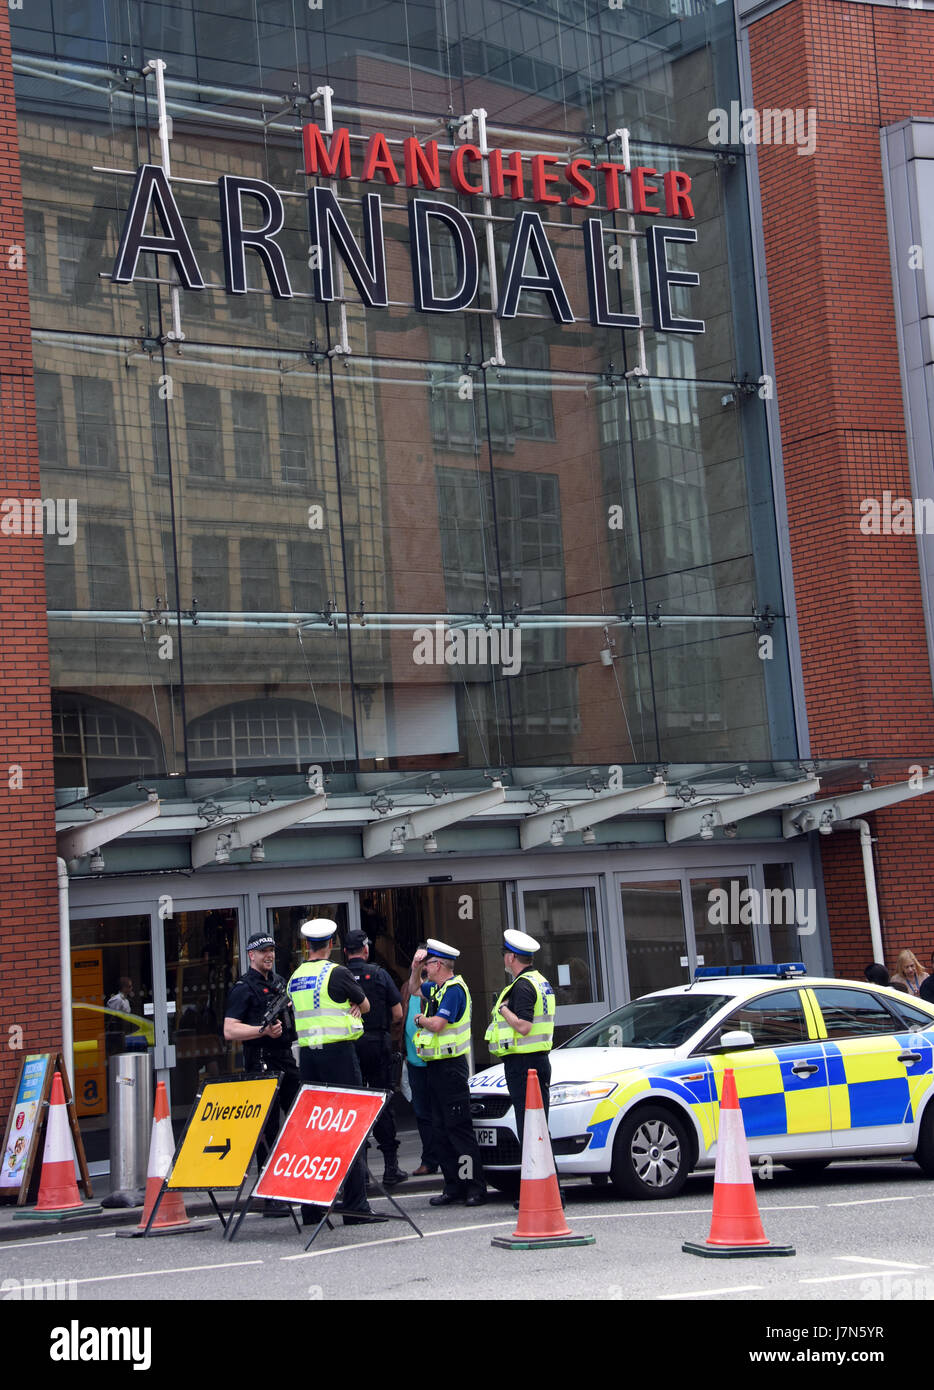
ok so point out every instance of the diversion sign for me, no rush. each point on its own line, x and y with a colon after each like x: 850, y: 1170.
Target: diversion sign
x: 222, y: 1133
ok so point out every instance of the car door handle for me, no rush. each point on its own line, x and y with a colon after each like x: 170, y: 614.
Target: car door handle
x: 909, y: 1058
x: 805, y: 1068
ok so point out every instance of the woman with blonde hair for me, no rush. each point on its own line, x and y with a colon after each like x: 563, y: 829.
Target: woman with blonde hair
x: 908, y: 975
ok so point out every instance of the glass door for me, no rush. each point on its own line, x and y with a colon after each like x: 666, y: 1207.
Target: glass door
x: 283, y: 914
x: 112, y: 1010
x: 200, y: 961
x: 659, y: 939
x: 564, y: 917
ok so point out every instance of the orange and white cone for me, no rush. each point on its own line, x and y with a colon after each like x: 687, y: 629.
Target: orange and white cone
x: 171, y: 1215
x: 58, y: 1185
x: 541, y: 1215
x: 736, y: 1226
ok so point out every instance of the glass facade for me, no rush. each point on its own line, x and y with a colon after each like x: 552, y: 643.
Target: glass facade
x: 374, y: 538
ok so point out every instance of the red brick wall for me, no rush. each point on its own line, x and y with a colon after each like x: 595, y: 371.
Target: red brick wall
x: 29, y: 979
x: 866, y: 669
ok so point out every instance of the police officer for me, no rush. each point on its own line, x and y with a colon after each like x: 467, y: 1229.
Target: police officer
x: 443, y: 1040
x: 265, y: 1049
x: 523, y: 1023
x: 329, y: 1005
x: 374, y: 1051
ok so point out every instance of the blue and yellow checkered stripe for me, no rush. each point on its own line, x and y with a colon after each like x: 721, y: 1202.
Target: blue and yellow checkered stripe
x: 859, y: 1084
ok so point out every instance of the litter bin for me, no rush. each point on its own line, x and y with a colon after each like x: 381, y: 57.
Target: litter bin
x: 130, y: 1092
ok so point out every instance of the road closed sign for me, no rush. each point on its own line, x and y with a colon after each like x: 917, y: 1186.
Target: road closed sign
x: 222, y: 1132
x: 319, y: 1141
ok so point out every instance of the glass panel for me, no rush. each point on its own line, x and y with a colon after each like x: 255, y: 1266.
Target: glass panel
x: 773, y: 1020
x: 201, y: 963
x: 112, y: 1012
x: 785, y: 942
x: 854, y: 1013
x: 656, y: 942
x: 564, y: 922
x: 720, y: 942
x: 284, y: 923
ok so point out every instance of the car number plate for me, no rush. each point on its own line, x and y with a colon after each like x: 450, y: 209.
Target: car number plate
x: 486, y: 1138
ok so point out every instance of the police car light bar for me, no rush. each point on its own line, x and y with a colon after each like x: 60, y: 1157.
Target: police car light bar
x: 771, y: 972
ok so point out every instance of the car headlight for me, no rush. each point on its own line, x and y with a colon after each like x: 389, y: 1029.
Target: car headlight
x: 565, y: 1093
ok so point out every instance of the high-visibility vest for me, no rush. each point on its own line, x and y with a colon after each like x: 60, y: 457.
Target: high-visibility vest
x: 452, y: 1041
x: 504, y: 1041
x: 319, y: 1019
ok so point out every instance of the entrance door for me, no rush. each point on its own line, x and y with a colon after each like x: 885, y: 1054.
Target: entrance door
x: 112, y: 1009
x: 200, y: 950
x: 563, y: 915
x: 282, y: 915
x: 658, y: 933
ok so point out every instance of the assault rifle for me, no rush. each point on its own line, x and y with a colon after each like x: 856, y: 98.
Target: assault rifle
x: 277, y: 1005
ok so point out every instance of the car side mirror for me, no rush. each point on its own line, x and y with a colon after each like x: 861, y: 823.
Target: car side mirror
x: 732, y: 1042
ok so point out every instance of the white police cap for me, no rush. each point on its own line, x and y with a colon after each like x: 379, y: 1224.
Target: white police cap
x: 318, y: 929
x: 518, y: 942
x: 439, y: 949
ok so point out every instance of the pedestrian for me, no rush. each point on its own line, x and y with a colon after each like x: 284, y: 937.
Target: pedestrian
x: 374, y: 1048
x: 443, y: 1041
x: 267, y: 1048
x: 417, y: 1068
x: 329, y: 1007
x: 523, y: 1024
x: 120, y: 999
x: 926, y: 988
x: 876, y: 974
x: 908, y: 974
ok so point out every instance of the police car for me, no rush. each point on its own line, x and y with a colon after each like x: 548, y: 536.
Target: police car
x: 825, y: 1069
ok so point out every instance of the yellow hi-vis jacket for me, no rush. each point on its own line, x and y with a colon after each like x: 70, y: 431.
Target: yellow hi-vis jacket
x: 504, y: 1041
x: 452, y: 1041
x: 319, y: 1019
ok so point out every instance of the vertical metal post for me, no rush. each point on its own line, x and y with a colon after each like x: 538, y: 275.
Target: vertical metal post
x: 157, y: 66
x: 497, y: 360
x: 622, y: 135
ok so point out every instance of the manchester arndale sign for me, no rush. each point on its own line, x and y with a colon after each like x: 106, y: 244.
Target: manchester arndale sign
x: 544, y: 180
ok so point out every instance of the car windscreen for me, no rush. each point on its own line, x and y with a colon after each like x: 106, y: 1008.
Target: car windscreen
x: 656, y: 1021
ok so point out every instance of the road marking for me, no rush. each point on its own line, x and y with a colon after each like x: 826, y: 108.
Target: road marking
x: 813, y: 1206
x: 39, y: 1244
x: 397, y: 1240
x: 148, y: 1273
x: 839, y: 1278
x: 870, y: 1201
x: 616, y: 1215
x: 869, y: 1260
x: 707, y: 1293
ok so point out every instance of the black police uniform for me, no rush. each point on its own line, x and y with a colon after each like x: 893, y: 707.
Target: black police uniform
x: 247, y: 1002
x: 517, y: 1065
x: 374, y: 1049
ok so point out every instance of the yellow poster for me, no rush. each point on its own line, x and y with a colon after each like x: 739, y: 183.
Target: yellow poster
x: 87, y: 987
x: 222, y: 1132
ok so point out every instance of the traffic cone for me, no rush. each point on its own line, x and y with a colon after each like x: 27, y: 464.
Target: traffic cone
x: 735, y: 1227
x: 58, y: 1187
x: 541, y: 1216
x: 171, y: 1215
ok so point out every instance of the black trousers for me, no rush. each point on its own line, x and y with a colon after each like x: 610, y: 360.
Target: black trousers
x: 517, y: 1068
x: 289, y: 1084
x: 375, y: 1057
x: 336, y: 1065
x: 456, y: 1147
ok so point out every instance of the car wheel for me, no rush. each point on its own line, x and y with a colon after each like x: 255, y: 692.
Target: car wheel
x: 924, y: 1154
x: 651, y: 1154
x: 807, y: 1167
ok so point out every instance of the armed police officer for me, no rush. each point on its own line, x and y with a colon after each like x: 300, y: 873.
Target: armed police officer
x: 443, y: 1041
x: 374, y: 1050
x: 259, y: 1017
x: 329, y: 1007
x: 523, y: 1023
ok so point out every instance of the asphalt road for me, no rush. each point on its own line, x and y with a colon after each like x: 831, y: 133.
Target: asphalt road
x: 861, y: 1232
